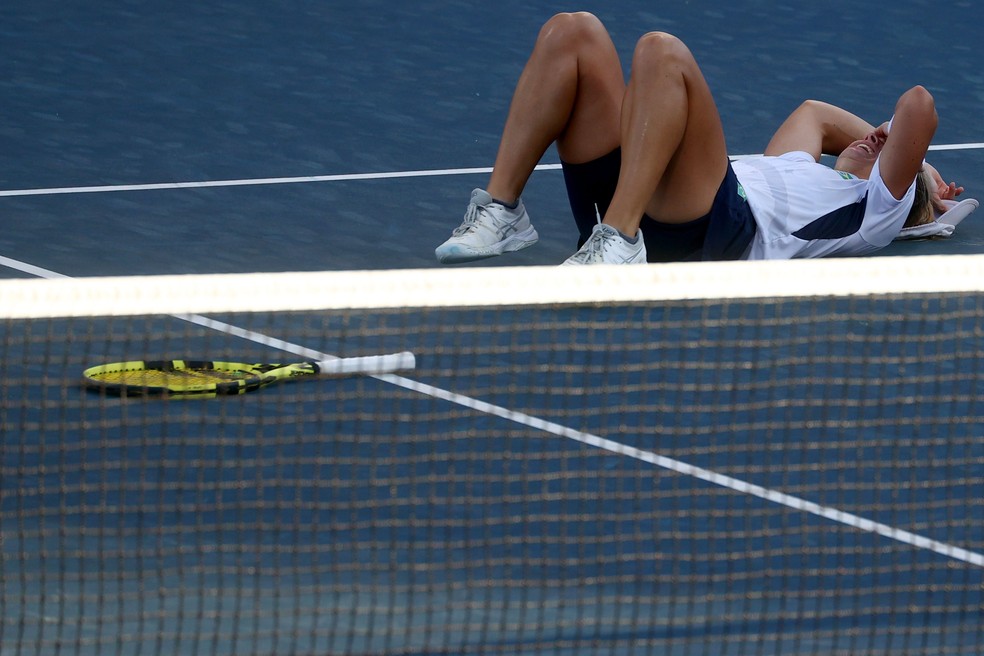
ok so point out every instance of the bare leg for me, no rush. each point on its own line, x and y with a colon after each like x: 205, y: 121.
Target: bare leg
x: 674, y: 155
x: 570, y: 93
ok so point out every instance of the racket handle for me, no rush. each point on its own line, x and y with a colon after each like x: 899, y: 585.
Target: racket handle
x: 369, y: 364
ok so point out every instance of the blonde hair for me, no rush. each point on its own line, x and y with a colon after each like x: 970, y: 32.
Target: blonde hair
x: 922, y: 204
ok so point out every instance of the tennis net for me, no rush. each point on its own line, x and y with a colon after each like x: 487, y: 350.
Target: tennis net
x: 734, y: 458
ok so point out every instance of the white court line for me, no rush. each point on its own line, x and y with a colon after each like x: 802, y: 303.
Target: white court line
x: 254, y: 181
x: 323, y: 178
x: 796, y: 503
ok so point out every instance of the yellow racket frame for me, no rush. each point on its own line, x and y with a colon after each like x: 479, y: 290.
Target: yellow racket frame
x: 207, y: 378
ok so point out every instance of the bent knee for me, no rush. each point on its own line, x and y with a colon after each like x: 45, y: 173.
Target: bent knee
x: 661, y: 47
x: 572, y: 27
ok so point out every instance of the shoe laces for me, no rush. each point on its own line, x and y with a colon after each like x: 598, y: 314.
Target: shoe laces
x: 471, y: 220
x: 594, y: 249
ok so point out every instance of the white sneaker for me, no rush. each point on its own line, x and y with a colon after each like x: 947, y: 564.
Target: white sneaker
x: 489, y: 229
x: 607, y: 246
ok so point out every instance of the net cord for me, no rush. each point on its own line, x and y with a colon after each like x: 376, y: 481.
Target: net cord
x: 60, y: 296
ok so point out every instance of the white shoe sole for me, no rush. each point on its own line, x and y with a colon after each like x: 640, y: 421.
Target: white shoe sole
x: 453, y: 253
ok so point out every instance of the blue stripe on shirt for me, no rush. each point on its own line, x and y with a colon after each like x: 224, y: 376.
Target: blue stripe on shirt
x: 842, y: 222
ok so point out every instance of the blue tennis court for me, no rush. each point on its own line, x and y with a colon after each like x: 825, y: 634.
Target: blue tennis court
x: 250, y: 137
x: 105, y: 96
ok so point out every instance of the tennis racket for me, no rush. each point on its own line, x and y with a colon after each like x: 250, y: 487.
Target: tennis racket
x: 212, y: 378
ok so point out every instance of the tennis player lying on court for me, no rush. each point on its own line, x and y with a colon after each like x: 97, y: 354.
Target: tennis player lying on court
x: 650, y: 159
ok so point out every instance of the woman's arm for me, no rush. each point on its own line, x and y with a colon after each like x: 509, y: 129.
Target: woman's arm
x: 818, y: 128
x: 913, y: 127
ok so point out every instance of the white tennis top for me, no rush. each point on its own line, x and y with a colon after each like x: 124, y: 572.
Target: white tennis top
x: 805, y: 209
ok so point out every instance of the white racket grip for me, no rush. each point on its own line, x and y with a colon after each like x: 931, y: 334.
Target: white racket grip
x: 369, y: 364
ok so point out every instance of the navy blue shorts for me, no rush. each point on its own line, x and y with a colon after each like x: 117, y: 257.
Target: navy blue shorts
x: 724, y: 233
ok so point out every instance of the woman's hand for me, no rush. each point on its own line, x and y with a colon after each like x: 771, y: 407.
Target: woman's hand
x: 940, y: 191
